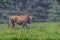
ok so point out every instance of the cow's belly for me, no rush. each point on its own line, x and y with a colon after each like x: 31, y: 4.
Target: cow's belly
x: 19, y: 23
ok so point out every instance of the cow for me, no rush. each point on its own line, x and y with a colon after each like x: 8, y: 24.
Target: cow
x: 21, y: 20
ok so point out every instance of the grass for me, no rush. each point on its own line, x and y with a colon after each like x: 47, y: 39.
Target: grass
x: 37, y: 31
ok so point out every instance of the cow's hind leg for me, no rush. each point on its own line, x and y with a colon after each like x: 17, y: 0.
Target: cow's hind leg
x: 8, y: 25
x: 23, y: 25
x: 13, y: 25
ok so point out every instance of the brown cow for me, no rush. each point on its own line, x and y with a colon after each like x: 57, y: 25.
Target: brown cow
x: 21, y: 20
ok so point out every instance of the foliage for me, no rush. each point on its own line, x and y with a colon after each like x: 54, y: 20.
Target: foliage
x: 43, y: 10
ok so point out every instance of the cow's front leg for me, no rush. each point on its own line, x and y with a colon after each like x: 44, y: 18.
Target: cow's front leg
x: 27, y: 25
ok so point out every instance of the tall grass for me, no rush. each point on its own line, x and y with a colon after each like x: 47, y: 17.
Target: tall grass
x: 37, y: 31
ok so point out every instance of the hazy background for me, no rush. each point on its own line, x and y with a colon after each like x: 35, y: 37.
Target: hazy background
x: 43, y: 10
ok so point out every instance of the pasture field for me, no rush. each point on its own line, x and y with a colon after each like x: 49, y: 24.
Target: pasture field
x: 37, y: 31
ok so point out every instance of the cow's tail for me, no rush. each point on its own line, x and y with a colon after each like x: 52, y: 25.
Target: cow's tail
x: 9, y: 22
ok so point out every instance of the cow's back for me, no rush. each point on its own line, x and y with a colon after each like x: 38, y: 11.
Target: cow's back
x: 20, y: 19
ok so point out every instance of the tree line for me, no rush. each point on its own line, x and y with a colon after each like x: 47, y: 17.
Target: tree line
x: 43, y: 10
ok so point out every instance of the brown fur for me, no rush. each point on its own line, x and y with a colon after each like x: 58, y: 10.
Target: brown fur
x: 21, y: 20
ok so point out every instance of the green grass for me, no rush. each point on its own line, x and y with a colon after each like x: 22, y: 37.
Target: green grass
x: 37, y: 31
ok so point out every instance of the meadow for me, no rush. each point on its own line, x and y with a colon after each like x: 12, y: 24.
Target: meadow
x: 37, y: 31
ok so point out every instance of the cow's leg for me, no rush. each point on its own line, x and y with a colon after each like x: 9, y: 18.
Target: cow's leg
x: 13, y: 25
x: 23, y: 25
x: 8, y: 25
x: 27, y: 25
x: 9, y: 22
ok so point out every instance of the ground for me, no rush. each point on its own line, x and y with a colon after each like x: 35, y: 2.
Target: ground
x: 37, y: 31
